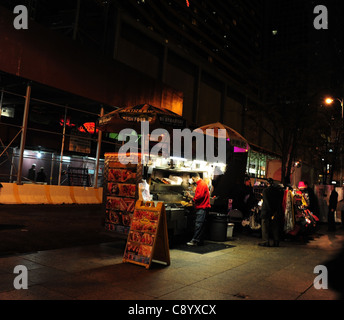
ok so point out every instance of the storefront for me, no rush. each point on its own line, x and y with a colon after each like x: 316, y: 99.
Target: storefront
x: 263, y: 164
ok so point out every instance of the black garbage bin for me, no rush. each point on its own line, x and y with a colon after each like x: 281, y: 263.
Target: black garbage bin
x: 217, y: 226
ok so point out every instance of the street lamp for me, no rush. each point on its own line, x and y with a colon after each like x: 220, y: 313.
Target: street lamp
x: 330, y: 101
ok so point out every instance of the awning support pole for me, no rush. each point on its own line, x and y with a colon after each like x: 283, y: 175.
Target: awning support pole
x: 62, y: 146
x: 99, y: 145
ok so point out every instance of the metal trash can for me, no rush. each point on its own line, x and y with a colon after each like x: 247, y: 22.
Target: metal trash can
x: 217, y: 226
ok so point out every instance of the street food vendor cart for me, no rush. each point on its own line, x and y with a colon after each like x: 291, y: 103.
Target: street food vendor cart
x: 167, y: 176
x: 168, y: 180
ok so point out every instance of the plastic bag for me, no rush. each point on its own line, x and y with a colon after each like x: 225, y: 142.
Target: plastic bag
x: 144, y: 191
x: 289, y: 222
x: 254, y: 218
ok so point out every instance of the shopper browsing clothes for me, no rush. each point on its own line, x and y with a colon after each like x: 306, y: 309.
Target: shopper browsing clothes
x: 201, y: 202
x: 271, y: 214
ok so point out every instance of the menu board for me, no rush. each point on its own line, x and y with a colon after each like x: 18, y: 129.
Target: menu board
x: 121, y: 193
x: 148, y: 238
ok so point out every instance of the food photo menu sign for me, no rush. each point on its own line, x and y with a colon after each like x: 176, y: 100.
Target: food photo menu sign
x: 148, y: 238
x: 121, y: 193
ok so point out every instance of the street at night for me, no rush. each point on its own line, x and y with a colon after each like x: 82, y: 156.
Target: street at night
x: 68, y: 257
x: 183, y: 157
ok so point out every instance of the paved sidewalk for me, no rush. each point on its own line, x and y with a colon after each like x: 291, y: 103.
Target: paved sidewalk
x: 244, y: 271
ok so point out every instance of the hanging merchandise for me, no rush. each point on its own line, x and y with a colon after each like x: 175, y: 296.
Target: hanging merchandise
x: 306, y: 198
x: 254, y: 219
x: 289, y: 221
x: 305, y: 220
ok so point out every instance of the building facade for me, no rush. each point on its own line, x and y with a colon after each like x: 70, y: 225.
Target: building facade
x: 216, y: 58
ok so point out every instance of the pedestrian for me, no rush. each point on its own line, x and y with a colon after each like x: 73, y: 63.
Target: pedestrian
x: 32, y: 173
x: 249, y: 198
x: 271, y: 214
x: 340, y: 208
x: 333, y: 201
x: 201, y: 202
x: 41, y: 177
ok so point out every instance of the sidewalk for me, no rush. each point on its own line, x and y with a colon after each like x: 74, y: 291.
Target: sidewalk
x: 243, y: 271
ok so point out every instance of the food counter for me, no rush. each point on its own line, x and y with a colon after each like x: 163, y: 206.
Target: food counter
x: 178, y: 208
x: 169, y: 179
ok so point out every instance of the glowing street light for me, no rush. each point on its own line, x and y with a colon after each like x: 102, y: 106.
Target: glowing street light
x: 330, y: 101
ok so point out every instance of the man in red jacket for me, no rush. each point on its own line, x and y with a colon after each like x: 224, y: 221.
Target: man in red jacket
x: 201, y: 202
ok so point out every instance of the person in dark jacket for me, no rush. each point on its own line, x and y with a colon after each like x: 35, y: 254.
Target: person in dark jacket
x: 332, y: 207
x: 32, y: 173
x: 271, y: 214
x: 41, y: 177
x: 249, y: 199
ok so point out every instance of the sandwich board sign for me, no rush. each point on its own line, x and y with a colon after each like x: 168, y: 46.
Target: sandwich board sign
x: 148, y: 238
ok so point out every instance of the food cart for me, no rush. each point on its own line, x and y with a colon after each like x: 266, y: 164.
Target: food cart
x: 167, y: 180
x: 167, y: 176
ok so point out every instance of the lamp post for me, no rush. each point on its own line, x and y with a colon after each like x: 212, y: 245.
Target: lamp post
x: 330, y: 101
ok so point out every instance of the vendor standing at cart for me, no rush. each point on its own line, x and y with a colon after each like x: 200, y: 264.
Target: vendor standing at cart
x: 201, y: 202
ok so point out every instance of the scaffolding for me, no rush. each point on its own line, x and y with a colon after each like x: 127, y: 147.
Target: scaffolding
x: 16, y: 157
